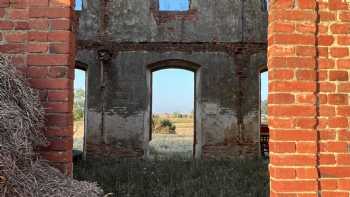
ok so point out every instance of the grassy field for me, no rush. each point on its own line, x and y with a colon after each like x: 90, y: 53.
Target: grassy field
x: 168, y: 145
x: 176, y: 177
x: 171, y: 171
x: 184, y: 126
x: 179, y: 144
x: 78, y: 138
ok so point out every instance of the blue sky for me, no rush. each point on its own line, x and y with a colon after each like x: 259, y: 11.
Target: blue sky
x: 78, y: 4
x: 79, y: 81
x: 173, y: 89
x: 179, y: 5
x: 264, y: 85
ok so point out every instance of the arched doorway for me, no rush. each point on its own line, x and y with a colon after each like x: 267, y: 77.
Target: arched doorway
x: 178, y: 65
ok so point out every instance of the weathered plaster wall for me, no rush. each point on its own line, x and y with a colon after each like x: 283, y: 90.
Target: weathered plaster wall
x: 227, y: 40
x: 207, y: 21
x: 228, y: 103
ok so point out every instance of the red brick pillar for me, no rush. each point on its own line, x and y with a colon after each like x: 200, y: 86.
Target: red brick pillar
x: 38, y: 35
x: 334, y: 89
x: 13, y: 31
x: 292, y: 98
x: 309, y: 97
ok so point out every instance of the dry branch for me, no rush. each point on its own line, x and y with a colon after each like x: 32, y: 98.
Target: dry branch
x: 22, y: 173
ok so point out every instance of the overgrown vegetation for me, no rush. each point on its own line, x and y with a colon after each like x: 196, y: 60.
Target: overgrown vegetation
x: 79, y: 104
x: 160, y: 125
x: 22, y: 172
x: 177, y: 177
x: 169, y: 145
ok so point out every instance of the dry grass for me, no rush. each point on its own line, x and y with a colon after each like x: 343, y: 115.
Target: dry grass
x: 179, y: 144
x: 177, y: 177
x: 78, y: 138
x: 184, y: 126
x: 168, y: 145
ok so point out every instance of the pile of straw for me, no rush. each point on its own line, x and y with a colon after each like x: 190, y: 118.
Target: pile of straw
x: 22, y: 172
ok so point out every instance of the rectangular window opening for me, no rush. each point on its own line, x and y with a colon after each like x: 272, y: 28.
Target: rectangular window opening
x: 78, y: 5
x: 174, y: 5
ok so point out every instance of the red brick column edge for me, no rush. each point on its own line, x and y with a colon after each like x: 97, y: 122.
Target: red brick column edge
x: 308, y: 97
x: 38, y: 35
x: 334, y: 89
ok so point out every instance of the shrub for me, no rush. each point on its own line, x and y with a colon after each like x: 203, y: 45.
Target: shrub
x: 167, y: 123
x: 165, y: 126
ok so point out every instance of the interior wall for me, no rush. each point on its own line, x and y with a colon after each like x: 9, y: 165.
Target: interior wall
x: 222, y: 103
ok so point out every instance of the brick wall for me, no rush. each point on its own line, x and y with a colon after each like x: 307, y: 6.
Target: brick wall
x: 309, y: 86
x: 37, y: 35
x: 334, y: 88
x: 308, y: 99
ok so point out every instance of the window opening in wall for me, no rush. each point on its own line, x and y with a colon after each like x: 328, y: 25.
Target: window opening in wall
x: 173, y: 118
x: 174, y: 5
x: 79, y: 113
x: 264, y: 130
x: 78, y: 5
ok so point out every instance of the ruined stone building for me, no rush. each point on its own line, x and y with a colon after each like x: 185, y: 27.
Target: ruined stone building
x: 122, y: 42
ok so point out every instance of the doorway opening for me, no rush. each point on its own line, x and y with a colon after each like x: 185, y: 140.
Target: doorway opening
x: 79, y: 114
x: 264, y: 129
x: 172, y: 131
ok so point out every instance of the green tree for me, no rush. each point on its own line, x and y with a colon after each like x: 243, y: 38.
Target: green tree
x: 79, y: 104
